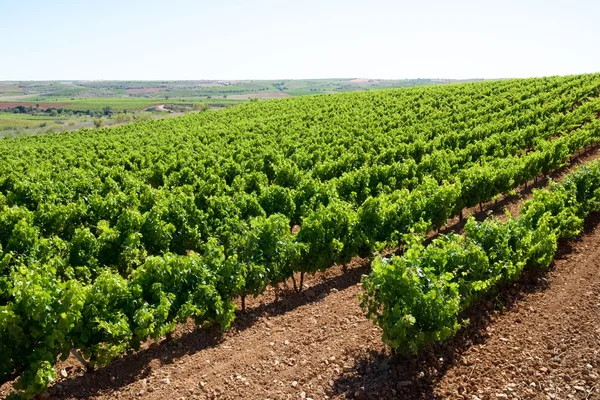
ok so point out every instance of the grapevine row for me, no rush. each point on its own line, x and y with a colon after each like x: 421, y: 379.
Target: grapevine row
x: 110, y: 237
x: 418, y: 298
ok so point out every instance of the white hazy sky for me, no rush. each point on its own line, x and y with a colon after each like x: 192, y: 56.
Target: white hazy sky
x: 268, y: 39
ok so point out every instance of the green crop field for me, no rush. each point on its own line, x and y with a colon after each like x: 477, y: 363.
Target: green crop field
x: 92, y: 98
x: 78, y: 102
x: 112, y: 236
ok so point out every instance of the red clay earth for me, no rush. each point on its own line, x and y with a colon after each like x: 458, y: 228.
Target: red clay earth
x: 10, y: 104
x: 537, y: 339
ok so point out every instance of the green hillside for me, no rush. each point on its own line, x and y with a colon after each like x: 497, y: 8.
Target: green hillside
x: 114, y: 235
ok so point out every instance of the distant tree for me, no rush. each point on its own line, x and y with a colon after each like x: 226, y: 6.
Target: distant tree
x: 98, y: 122
x: 107, y: 111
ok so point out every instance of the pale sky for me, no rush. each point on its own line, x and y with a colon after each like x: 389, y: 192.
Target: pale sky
x: 269, y: 39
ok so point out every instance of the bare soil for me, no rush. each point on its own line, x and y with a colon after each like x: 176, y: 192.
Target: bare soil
x: 536, y: 339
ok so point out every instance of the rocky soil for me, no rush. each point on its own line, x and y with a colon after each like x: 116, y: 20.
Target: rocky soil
x: 537, y: 339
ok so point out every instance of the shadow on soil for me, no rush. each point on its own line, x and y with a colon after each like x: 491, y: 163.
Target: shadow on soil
x: 376, y: 368
x: 381, y: 376
x: 134, y: 367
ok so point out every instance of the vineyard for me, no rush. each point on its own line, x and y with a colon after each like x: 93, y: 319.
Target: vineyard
x: 418, y: 297
x: 114, y: 236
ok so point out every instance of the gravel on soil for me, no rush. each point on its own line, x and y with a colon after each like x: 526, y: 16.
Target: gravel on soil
x: 537, y: 339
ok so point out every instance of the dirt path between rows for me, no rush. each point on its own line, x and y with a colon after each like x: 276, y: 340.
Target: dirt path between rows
x: 538, y: 339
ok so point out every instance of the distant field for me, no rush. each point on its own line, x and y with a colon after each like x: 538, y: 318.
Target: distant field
x: 78, y: 100
x: 266, y: 95
x: 116, y: 103
x: 6, y: 123
x: 28, y: 117
x: 10, y: 121
x: 196, y: 89
x: 113, y: 237
x: 43, y: 106
x: 144, y: 91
